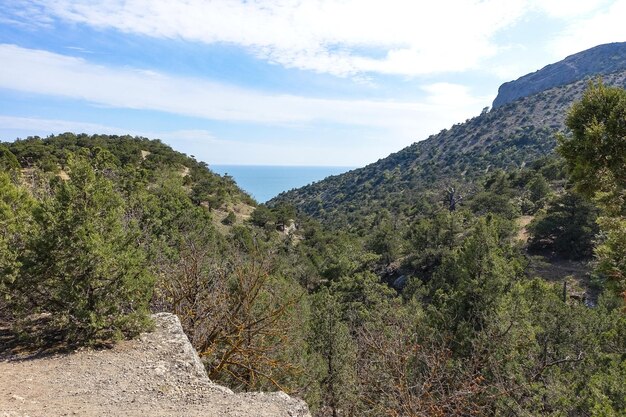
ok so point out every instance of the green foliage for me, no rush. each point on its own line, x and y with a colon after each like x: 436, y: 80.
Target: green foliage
x: 596, y: 156
x: 284, y: 214
x: 152, y: 156
x: 262, y: 216
x: 537, y: 192
x: 431, y: 238
x: 230, y: 219
x: 568, y: 227
x: 611, y: 253
x: 363, y: 299
x: 8, y: 161
x: 204, y: 192
x: 491, y: 202
x: 596, y: 151
x: 330, y: 339
x: 385, y: 239
x: 538, y: 188
x: 468, y: 285
x: 509, y: 138
x: 84, y: 267
x: 16, y: 227
x: 548, y: 359
x: 312, y: 312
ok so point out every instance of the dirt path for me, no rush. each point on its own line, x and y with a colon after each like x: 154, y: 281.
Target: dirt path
x: 522, y: 222
x: 157, y: 375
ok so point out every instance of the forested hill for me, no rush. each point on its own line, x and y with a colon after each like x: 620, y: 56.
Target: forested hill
x: 602, y: 59
x: 509, y: 137
x: 153, y: 157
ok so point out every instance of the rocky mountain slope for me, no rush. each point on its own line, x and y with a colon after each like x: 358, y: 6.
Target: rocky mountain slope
x: 508, y: 137
x: 158, y: 375
x: 600, y: 60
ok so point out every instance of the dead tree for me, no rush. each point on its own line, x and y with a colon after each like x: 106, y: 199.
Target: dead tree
x: 452, y: 198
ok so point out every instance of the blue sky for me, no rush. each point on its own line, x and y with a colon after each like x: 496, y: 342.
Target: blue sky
x: 301, y: 82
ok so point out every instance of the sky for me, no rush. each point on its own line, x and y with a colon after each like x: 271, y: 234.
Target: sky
x: 299, y: 82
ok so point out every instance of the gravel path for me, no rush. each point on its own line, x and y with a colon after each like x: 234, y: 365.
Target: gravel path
x: 156, y: 375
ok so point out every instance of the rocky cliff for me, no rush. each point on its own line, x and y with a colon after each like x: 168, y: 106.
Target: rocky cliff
x: 159, y: 374
x: 602, y: 59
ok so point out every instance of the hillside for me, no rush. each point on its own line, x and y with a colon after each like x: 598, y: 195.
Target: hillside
x: 159, y: 374
x: 98, y: 231
x: 509, y: 137
x: 600, y: 60
x: 152, y: 157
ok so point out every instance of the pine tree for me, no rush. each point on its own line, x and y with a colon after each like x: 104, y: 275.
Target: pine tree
x: 330, y: 338
x: 568, y: 227
x: 468, y: 285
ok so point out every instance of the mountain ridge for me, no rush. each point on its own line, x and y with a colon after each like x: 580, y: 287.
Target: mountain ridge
x: 599, y: 60
x: 507, y: 137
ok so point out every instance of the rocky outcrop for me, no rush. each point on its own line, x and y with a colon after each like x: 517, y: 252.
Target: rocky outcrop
x: 159, y: 374
x: 602, y: 59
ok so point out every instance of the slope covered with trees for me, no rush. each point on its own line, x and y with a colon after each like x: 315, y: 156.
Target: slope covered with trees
x: 96, y: 231
x: 508, y: 138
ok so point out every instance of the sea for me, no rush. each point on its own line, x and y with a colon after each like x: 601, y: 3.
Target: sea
x: 264, y: 182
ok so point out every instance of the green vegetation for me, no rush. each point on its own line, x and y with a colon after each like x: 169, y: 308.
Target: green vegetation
x: 83, y: 266
x: 419, y: 304
x: 510, y: 138
x: 16, y: 225
x: 567, y: 227
x: 596, y: 157
x: 83, y: 222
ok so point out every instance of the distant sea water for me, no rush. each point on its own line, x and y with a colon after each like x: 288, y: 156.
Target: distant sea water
x: 264, y: 182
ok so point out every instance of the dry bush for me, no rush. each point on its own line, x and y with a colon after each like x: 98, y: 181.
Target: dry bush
x: 402, y: 375
x: 236, y: 316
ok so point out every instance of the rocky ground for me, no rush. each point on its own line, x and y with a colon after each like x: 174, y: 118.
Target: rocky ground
x: 157, y: 375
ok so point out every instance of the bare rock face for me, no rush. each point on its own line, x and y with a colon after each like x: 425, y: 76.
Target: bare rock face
x: 599, y: 60
x: 158, y: 375
x: 169, y: 337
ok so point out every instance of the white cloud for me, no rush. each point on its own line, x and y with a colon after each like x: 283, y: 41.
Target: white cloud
x: 42, y: 72
x: 43, y: 127
x: 568, y: 8
x: 25, y: 13
x: 588, y: 31
x: 340, y: 37
x: 39, y: 126
x: 445, y: 93
x: 206, y: 147
x: 330, y: 36
x: 185, y: 135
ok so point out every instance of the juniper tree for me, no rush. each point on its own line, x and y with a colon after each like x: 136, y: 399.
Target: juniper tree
x: 596, y: 157
x: 85, y: 267
x: 15, y: 227
x: 330, y: 338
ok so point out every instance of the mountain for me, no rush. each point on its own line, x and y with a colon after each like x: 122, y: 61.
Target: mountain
x: 600, y: 60
x: 511, y: 136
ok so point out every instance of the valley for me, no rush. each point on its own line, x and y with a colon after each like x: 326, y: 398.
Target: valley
x: 480, y: 271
